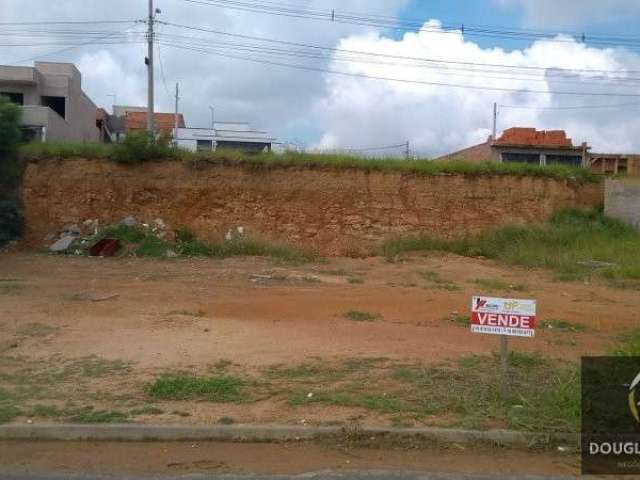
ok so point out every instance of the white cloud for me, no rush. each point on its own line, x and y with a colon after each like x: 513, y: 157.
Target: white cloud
x: 366, y: 112
x: 572, y: 13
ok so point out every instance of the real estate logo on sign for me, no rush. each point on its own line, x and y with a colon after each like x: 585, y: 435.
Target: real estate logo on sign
x: 503, y: 316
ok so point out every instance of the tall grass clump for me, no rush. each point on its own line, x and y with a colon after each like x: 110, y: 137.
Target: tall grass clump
x: 571, y: 242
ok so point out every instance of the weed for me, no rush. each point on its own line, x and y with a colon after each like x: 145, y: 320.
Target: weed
x: 223, y: 364
x: 147, y: 410
x: 10, y: 289
x: 462, y: 320
x: 89, y: 415
x: 563, y: 326
x: 564, y: 243
x: 628, y: 344
x: 355, y: 280
x: 37, y: 330
x: 499, y: 285
x: 226, y: 421
x: 436, y: 279
x: 8, y: 413
x: 137, y: 150
x: 359, y: 316
x: 220, y: 388
x: 181, y: 413
x: 189, y: 313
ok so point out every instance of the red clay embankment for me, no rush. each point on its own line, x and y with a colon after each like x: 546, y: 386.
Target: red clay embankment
x: 335, y: 211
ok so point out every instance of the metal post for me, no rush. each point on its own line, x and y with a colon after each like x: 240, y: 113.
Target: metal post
x: 495, y: 121
x: 504, y: 366
x: 150, y: 96
x: 175, y: 119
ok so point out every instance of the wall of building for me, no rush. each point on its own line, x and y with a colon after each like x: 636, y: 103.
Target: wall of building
x: 333, y: 211
x: 622, y: 200
x: 57, y: 80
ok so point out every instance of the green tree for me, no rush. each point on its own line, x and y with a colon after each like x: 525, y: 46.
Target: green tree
x: 9, y: 130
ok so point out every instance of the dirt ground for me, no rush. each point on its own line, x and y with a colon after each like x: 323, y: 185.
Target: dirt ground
x: 190, y: 314
x: 289, y: 458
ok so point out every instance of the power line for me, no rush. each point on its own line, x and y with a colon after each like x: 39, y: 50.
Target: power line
x: 408, y: 81
x: 401, y: 57
x: 73, y: 47
x: 576, y: 107
x: 332, y: 16
x: 74, y: 22
x: 450, y: 71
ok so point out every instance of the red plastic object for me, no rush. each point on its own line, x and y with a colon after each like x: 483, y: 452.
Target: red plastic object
x: 107, y: 247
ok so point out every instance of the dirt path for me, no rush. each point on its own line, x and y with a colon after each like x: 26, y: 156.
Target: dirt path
x: 192, y: 458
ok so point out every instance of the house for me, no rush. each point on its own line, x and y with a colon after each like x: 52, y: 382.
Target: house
x: 126, y: 120
x: 615, y: 163
x: 54, y: 107
x: 235, y: 135
x: 527, y: 145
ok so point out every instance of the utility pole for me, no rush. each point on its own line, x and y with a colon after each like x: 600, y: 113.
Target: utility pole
x: 495, y: 121
x: 175, y: 119
x: 149, y: 62
x: 407, y: 151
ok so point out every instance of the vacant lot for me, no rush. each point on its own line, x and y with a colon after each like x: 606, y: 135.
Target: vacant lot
x: 253, y: 340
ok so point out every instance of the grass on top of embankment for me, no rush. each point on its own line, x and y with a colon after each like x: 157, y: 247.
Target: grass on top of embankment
x: 571, y: 242
x: 137, y: 152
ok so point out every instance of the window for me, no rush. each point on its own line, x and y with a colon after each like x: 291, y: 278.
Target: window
x: 17, y: 98
x: 204, y: 145
x: 57, y: 104
x: 533, y: 158
x: 568, y: 160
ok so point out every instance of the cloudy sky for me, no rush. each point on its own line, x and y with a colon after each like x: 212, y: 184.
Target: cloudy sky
x: 383, y: 72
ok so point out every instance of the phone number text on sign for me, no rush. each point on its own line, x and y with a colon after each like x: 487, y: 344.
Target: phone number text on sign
x: 503, y: 316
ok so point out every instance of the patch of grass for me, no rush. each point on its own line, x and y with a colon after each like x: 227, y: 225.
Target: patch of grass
x: 147, y: 410
x: 268, y: 161
x: 180, y: 413
x: 37, y: 330
x: 462, y: 320
x: 355, y: 280
x: 226, y: 421
x: 437, y: 280
x: 11, y: 289
x: 219, y: 388
x: 89, y: 415
x: 628, y: 344
x: 222, y: 365
x: 361, y: 316
x: 499, y: 285
x: 8, y: 413
x: 563, y: 326
x: 258, y: 248
x: 152, y: 246
x: 189, y: 313
x: 567, y: 242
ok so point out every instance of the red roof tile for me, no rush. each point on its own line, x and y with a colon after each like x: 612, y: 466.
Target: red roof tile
x: 164, y: 122
x: 533, y: 137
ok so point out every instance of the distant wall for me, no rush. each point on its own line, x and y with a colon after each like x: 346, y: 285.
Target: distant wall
x: 622, y: 200
x: 333, y: 211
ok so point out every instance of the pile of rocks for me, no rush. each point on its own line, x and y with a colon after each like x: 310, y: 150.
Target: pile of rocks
x: 77, y: 237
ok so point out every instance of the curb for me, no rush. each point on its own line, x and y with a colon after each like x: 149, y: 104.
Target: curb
x: 275, y: 433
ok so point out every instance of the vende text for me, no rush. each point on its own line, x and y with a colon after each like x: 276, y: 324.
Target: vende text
x: 503, y: 320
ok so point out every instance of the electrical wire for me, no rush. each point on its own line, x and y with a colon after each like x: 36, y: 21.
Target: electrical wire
x: 407, y: 81
x: 333, y: 16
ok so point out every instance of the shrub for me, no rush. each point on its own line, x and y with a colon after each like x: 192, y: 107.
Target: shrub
x: 11, y: 222
x: 9, y: 129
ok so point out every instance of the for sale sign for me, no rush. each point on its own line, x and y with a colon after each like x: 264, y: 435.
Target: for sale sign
x: 503, y: 316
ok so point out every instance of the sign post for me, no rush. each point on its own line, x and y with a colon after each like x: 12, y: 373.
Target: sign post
x: 507, y: 318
